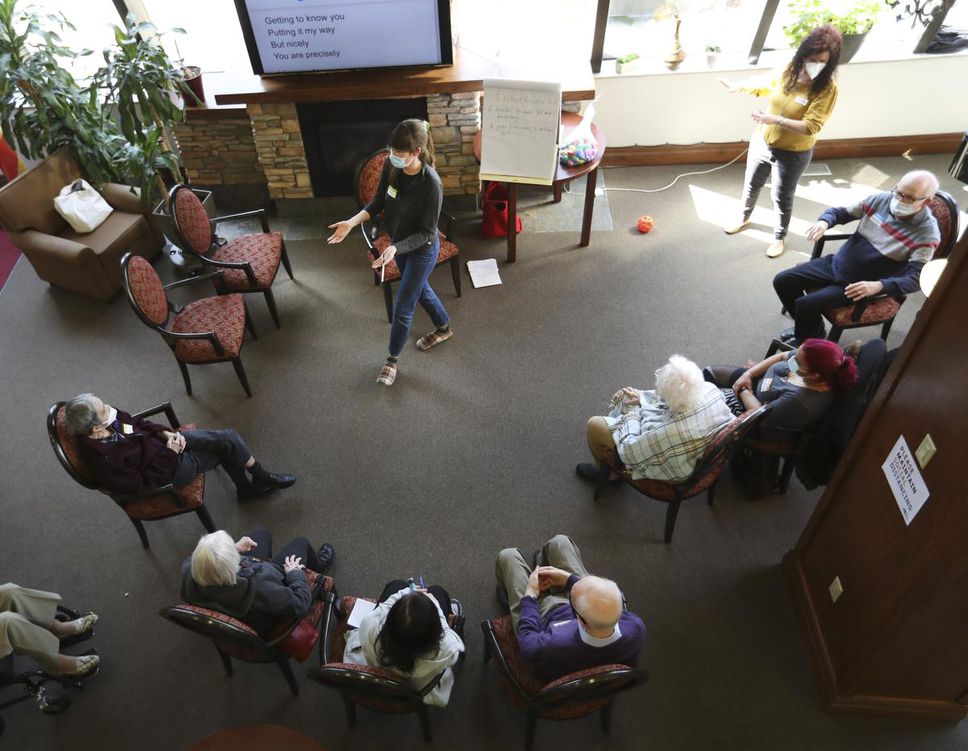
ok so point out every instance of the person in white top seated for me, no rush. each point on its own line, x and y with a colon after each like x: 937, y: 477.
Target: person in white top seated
x: 407, y: 633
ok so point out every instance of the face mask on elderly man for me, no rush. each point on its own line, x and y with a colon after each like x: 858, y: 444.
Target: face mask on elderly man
x: 902, y: 209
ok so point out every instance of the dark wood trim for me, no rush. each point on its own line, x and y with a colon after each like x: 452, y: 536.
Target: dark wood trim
x: 598, y: 39
x: 839, y: 148
x: 833, y: 701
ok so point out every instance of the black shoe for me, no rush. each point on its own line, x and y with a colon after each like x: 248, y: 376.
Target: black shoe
x: 537, y: 558
x: 589, y: 471
x: 502, y: 598
x: 274, y: 480
x: 326, y: 556
x: 254, y: 491
x: 787, y: 335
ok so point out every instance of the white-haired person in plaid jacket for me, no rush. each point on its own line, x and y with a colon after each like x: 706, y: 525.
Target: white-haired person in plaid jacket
x: 659, y: 434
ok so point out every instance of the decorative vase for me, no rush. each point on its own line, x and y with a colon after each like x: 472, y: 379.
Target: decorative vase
x: 193, y: 80
x: 852, y: 43
x: 678, y: 54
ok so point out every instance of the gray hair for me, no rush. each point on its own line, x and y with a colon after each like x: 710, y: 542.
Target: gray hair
x: 679, y: 383
x: 80, y: 414
x: 924, y: 178
x: 598, y: 600
x: 215, y: 560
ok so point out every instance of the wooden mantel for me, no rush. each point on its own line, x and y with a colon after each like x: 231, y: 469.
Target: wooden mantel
x: 466, y: 74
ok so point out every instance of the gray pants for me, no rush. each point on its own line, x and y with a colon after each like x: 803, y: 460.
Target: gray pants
x: 786, y: 168
x: 513, y: 572
x: 23, y: 615
x: 207, y: 449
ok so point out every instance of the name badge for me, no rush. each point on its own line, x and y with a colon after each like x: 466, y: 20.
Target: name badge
x: 392, y: 192
x: 126, y: 429
x: 766, y: 384
x: 802, y: 101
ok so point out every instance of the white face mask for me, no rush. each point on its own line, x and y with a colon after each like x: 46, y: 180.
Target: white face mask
x: 112, y: 416
x: 902, y: 209
x: 813, y: 69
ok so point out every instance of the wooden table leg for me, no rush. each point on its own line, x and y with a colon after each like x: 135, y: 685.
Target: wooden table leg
x: 559, y: 186
x: 513, y: 222
x: 586, y: 220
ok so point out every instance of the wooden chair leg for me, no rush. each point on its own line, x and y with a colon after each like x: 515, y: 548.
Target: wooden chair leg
x: 350, y: 708
x: 834, y: 335
x: 670, y: 522
x: 455, y: 273
x: 789, y: 464
x: 140, y: 528
x: 226, y: 662
x: 206, y: 520
x: 607, y: 717
x: 285, y: 260
x: 388, y: 301
x: 249, y: 323
x: 424, y: 721
x: 271, y: 304
x: 283, y: 663
x: 240, y: 372
x: 603, y: 472
x: 188, y: 381
x: 886, y: 329
x: 529, y: 731
x: 487, y: 649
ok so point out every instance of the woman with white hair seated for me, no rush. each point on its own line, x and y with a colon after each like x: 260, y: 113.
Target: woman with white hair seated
x: 660, y: 434
x: 244, y: 579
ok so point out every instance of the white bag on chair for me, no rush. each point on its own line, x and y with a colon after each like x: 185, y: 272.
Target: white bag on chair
x: 82, y: 206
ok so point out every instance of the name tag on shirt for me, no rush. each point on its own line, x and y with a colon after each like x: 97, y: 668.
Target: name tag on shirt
x: 801, y: 100
x: 392, y: 192
x: 126, y: 429
x: 766, y: 384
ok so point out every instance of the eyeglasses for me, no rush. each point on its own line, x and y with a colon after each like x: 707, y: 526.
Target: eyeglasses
x: 907, y: 197
x: 573, y: 610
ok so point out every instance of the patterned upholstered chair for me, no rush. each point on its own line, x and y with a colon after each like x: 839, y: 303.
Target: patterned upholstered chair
x: 204, y: 331
x: 703, y: 477
x: 159, y: 503
x: 571, y: 696
x: 233, y: 638
x: 248, y: 263
x: 372, y: 687
x: 881, y: 309
x: 367, y: 181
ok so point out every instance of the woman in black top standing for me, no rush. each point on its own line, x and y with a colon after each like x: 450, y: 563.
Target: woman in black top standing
x: 409, y: 195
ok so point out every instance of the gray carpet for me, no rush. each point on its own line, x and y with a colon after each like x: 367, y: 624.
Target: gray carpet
x: 471, y: 450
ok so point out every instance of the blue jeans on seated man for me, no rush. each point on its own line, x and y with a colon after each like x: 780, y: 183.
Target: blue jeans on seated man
x: 415, y: 269
x: 807, y: 309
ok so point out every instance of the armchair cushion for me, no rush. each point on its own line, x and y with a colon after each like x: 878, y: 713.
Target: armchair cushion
x: 878, y: 311
x: 225, y: 315
x: 27, y: 202
x: 122, y: 199
x: 262, y: 251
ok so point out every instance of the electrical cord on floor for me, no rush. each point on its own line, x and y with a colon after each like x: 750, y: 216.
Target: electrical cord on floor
x: 664, y: 187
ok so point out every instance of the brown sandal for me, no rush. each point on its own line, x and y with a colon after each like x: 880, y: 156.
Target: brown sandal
x: 433, y: 339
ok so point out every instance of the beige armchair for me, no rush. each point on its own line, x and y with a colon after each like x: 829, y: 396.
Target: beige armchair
x: 89, y: 263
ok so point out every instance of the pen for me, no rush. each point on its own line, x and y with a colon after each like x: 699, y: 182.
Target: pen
x: 421, y: 583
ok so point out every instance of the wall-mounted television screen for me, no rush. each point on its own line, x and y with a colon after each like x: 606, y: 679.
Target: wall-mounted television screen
x: 300, y: 36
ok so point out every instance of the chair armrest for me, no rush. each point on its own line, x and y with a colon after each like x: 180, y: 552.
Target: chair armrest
x: 495, y: 651
x: 244, y: 265
x: 50, y: 247
x: 818, y: 245
x: 192, y: 279
x: 122, y: 198
x: 776, y: 346
x: 448, y: 224
x: 316, y: 591
x: 157, y: 410
x: 369, y: 230
x: 210, y: 335
x: 261, y: 213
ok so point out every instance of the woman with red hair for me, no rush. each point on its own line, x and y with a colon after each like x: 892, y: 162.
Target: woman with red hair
x: 800, y: 384
x: 801, y: 98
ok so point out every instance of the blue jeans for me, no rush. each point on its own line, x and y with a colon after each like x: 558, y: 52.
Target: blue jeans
x: 807, y: 309
x: 415, y: 269
x: 786, y: 168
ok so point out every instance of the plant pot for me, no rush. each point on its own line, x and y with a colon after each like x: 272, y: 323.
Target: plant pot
x: 165, y: 225
x: 193, y: 80
x: 711, y: 58
x: 852, y: 43
x: 630, y: 67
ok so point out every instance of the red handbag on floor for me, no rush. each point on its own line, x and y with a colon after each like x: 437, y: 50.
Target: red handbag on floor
x: 494, y: 211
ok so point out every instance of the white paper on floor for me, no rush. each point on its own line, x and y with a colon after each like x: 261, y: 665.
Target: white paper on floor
x: 484, y: 273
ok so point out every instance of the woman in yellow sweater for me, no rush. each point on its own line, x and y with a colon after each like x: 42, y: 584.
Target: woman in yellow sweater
x: 801, y: 99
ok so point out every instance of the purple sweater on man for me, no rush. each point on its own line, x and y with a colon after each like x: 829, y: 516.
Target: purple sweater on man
x: 556, y: 647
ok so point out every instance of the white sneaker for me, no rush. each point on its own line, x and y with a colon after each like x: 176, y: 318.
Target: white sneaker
x: 775, y: 249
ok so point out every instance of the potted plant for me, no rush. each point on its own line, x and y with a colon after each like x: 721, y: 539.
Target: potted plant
x: 627, y: 63
x: 853, y: 18
x: 712, y: 53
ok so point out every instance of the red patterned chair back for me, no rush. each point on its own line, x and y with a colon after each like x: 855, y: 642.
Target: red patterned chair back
x: 945, y: 210
x: 66, y: 448
x: 726, y: 440
x: 145, y: 291
x: 367, y: 177
x: 191, y: 220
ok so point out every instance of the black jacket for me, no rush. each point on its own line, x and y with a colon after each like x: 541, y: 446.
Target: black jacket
x: 410, y: 210
x: 262, y: 596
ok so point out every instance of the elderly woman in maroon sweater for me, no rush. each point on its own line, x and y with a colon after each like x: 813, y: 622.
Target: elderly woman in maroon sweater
x: 129, y: 455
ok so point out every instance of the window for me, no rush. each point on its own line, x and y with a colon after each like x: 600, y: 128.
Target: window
x: 93, y: 31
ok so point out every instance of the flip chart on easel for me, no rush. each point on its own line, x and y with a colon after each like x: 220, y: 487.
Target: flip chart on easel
x: 519, y: 142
